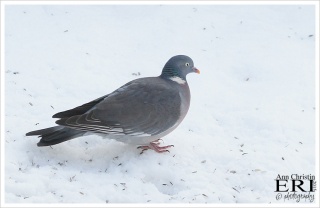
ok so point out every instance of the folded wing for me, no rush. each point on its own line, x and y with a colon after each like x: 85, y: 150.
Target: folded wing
x: 140, y: 108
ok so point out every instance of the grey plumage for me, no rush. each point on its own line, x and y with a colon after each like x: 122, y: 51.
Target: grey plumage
x: 55, y: 135
x: 139, y: 112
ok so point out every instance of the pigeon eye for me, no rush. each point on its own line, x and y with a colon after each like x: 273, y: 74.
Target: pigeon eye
x: 187, y: 64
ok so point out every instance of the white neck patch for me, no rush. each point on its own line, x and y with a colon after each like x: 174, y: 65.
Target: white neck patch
x: 178, y: 80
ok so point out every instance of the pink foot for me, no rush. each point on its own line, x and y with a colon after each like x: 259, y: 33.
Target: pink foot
x: 155, y: 146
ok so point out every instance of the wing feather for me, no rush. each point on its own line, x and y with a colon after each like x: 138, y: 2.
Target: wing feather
x: 78, y: 110
x: 138, y: 108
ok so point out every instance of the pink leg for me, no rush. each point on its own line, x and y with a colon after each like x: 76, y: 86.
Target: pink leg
x: 155, y: 146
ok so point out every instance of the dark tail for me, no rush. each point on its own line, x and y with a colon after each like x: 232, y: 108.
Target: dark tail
x: 55, y: 135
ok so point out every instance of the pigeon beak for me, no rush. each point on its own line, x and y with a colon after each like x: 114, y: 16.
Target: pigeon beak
x: 196, y: 70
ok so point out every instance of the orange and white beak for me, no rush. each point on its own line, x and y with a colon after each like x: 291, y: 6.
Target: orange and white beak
x: 196, y: 70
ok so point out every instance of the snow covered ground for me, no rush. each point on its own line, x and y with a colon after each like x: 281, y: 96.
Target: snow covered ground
x: 252, y: 113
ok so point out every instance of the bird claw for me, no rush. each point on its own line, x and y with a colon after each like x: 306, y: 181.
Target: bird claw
x: 142, y: 151
x: 155, y: 146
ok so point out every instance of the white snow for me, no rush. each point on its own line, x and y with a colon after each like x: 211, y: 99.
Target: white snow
x: 252, y: 113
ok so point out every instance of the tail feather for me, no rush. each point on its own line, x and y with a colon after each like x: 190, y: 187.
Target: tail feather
x: 55, y: 135
x: 44, y: 131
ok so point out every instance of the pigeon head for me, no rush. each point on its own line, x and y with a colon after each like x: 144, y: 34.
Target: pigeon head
x: 177, y: 68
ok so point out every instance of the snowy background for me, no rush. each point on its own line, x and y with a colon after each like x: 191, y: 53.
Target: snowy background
x: 252, y: 113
